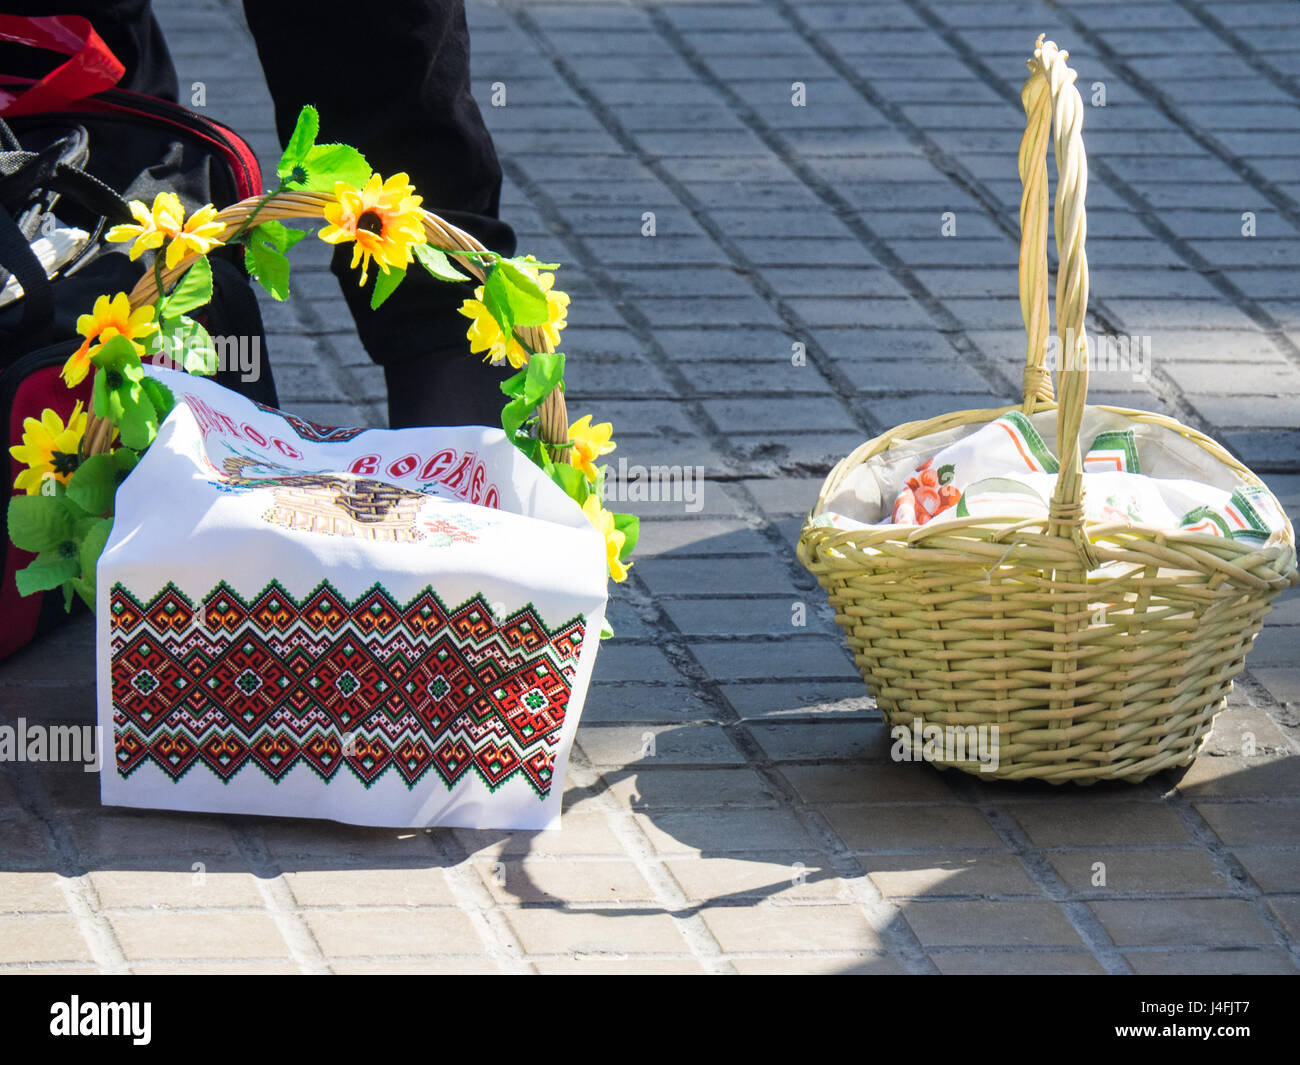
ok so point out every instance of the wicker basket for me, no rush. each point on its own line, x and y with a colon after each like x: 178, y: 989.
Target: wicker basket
x: 1100, y: 651
x: 552, y: 415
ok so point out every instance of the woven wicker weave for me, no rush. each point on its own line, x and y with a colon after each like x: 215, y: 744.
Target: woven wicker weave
x: 1088, y: 673
x: 552, y: 415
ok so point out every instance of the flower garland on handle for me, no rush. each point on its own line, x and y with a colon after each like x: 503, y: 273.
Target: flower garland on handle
x: 516, y: 317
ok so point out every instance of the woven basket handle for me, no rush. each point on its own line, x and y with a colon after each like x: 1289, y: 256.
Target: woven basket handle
x: 553, y: 416
x: 1052, y: 103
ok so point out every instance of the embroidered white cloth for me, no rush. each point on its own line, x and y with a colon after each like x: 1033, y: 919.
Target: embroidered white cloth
x: 379, y: 627
x: 1006, y: 469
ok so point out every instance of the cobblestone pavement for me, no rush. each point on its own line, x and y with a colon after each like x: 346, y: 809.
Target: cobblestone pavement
x: 732, y: 805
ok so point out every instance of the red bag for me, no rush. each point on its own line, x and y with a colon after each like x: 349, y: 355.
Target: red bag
x: 72, y: 146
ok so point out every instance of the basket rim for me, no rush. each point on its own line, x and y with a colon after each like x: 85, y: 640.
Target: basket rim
x: 1019, y: 530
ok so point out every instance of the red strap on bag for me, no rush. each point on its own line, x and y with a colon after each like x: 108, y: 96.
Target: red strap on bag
x: 92, y: 67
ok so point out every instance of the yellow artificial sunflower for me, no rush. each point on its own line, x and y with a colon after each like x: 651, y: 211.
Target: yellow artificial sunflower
x: 384, y: 218
x: 108, y: 318
x: 589, y: 443
x: 485, y: 333
x: 200, y: 234
x: 603, y: 520
x: 49, y: 449
x: 166, y: 222
x: 153, y: 226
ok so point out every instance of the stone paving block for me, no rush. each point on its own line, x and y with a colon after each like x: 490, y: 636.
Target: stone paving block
x: 1135, y: 871
x: 41, y: 938
x: 598, y: 965
x: 1271, y: 870
x: 796, y: 656
x: 1017, y: 963
x: 1282, y: 683
x: 712, y: 832
x: 719, y: 880
x: 751, y: 616
x: 392, y: 886
x: 778, y: 699
x: 1268, y: 961
x: 797, y: 452
x: 1253, y: 823
x: 719, y: 378
x: 583, y: 833
x: 990, y: 924
x: 176, y: 840
x: 939, y: 875
x: 879, y: 782
x: 176, y: 936
x: 155, y: 889
x: 912, y: 829
x: 1287, y: 911
x: 24, y: 844
x: 859, y: 965
x: 707, y: 537
x: 639, y: 662
x: 803, y: 927
x: 651, y: 789
x: 565, y: 881
x: 652, y: 703
x: 220, y: 967
x: 595, y: 935
x: 1086, y: 823
x: 658, y: 745
x: 778, y: 415
x: 1234, y: 776
x: 30, y: 892
x: 416, y: 966
x: 297, y: 845
x: 842, y: 741
x: 899, y: 409
x: 386, y: 932
x: 1181, y: 922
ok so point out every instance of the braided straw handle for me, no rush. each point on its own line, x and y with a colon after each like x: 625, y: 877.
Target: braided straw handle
x: 1051, y: 99
x: 552, y: 414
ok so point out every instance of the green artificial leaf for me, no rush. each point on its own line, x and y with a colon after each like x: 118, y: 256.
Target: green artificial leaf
x: 192, y: 291
x: 120, y: 396
x: 386, y: 283
x: 94, y: 484
x: 92, y: 546
x: 308, y: 165
x: 200, y: 352
x: 514, y: 414
x: 606, y: 629
x: 545, y: 373
x: 40, y: 523
x: 436, y: 262
x: 138, y: 425
x: 513, y: 297
x: 265, y: 259
x: 118, y: 354
x: 630, y: 526
x: 514, y: 385
x: 126, y: 460
x: 50, y: 570
x: 300, y: 143
x: 159, y: 395
x: 571, y: 479
x: 84, y: 587
x: 327, y: 163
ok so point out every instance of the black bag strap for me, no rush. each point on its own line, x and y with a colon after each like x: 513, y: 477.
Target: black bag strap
x: 17, y: 257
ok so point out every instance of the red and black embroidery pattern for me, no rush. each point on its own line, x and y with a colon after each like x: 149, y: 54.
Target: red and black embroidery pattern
x: 372, y: 685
